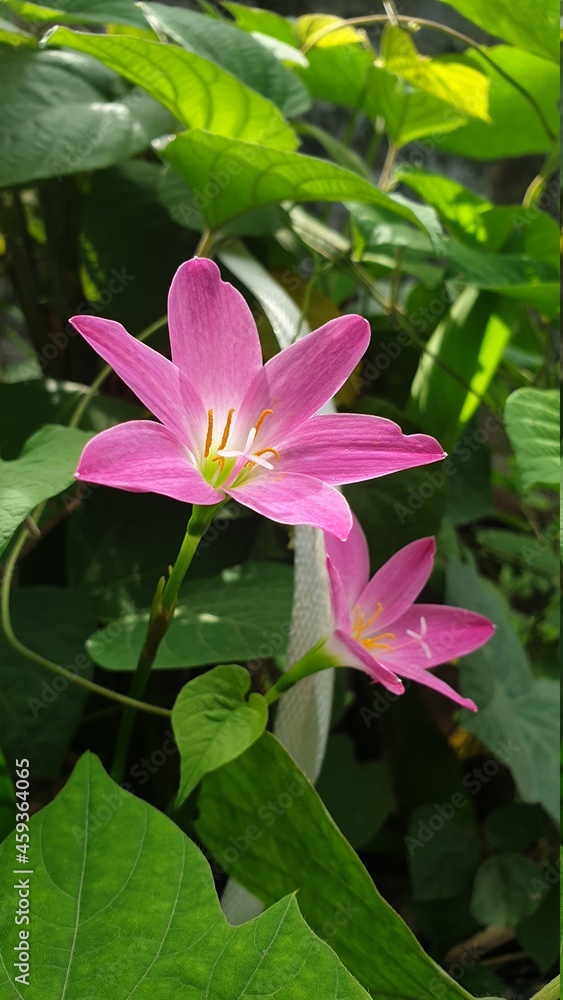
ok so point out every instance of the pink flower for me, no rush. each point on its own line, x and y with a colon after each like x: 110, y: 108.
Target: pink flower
x: 377, y: 627
x: 231, y: 426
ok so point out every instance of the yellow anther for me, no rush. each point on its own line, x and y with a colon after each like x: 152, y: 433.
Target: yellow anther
x: 221, y: 461
x: 225, y: 437
x: 265, y: 451
x: 261, y: 419
x: 209, y: 436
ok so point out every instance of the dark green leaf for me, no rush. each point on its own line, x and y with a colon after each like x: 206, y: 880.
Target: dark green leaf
x: 242, y: 614
x: 508, y: 888
x: 539, y: 933
x: 80, y: 11
x: 39, y: 711
x: 357, y: 795
x: 266, y: 824
x: 442, y: 852
x: 515, y: 827
x: 236, y: 51
x: 518, y: 717
x: 57, y: 120
x: 197, y: 92
x: 115, y: 879
x: 46, y: 466
x: 214, y: 722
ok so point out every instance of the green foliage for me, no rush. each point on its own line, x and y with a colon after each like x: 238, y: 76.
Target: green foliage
x: 512, y: 22
x: 241, y: 614
x: 248, y: 813
x: 79, y: 11
x: 110, y: 866
x: 214, y: 722
x: 507, y: 890
x: 532, y: 424
x: 45, y: 467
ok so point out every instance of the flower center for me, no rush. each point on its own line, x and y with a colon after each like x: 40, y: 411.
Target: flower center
x: 360, y: 625
x: 228, y: 460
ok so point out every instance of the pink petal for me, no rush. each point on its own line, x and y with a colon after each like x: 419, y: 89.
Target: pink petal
x: 154, y: 379
x: 143, y: 457
x: 391, y: 592
x: 437, y: 684
x: 448, y: 633
x: 351, y: 561
x: 213, y: 335
x: 353, y: 654
x: 302, y: 378
x: 350, y: 447
x: 338, y: 599
x: 294, y: 499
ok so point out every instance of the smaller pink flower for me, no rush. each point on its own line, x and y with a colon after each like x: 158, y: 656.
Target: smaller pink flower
x: 377, y: 627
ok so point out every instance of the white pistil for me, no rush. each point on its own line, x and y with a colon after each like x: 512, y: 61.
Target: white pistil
x: 246, y: 454
x: 419, y: 637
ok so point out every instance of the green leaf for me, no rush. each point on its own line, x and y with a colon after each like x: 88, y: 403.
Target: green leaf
x: 507, y: 105
x: 507, y: 890
x: 532, y: 424
x: 46, y: 466
x: 516, y: 275
x: 338, y: 65
x: 447, y: 78
x: 535, y: 30
x: 61, y: 116
x: 266, y: 824
x: 470, y: 496
x: 242, y: 614
x: 357, y: 795
x: 443, y: 852
x: 539, y: 933
x: 7, y: 800
x: 213, y: 723
x: 409, y: 114
x: 518, y: 717
x: 10, y: 34
x: 470, y: 340
x: 108, y: 564
x: 39, y: 712
x: 48, y: 401
x: 236, y: 51
x: 521, y: 549
x: 235, y: 177
x: 196, y: 91
x: 80, y: 11
x: 115, y: 879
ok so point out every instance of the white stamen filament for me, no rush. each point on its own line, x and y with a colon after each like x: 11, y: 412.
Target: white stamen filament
x: 245, y: 453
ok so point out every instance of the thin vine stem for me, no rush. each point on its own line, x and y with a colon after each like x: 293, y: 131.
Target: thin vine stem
x: 41, y: 661
x: 424, y: 22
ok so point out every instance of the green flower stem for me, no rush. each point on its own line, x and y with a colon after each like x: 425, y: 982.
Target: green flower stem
x: 318, y: 658
x: 162, y: 612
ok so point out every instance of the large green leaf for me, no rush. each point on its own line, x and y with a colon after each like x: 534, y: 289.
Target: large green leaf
x: 7, y: 800
x: 234, y: 50
x: 266, y: 824
x: 196, y: 91
x: 356, y: 793
x: 46, y: 466
x: 447, y: 78
x: 242, y: 614
x: 470, y: 340
x: 507, y: 105
x: 533, y: 426
x: 518, y: 717
x: 442, y: 856
x: 338, y: 65
x: 61, y: 115
x: 10, y: 34
x: 122, y: 897
x: 518, y: 22
x: 38, y: 711
x: 515, y: 275
x: 214, y: 722
x: 234, y: 177
x: 80, y: 11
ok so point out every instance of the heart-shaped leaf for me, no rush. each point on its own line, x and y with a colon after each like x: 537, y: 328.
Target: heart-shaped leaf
x: 213, y: 722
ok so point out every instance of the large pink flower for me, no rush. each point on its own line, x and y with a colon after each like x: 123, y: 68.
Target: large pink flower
x: 377, y: 627
x: 231, y: 426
